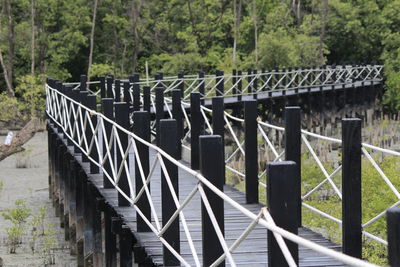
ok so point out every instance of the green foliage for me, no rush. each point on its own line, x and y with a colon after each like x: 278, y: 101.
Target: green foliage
x: 18, y: 217
x: 10, y: 108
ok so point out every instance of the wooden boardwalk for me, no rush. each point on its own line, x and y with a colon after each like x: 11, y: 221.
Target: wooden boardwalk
x: 251, y: 252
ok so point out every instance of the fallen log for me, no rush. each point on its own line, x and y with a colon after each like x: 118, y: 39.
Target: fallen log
x: 20, y: 138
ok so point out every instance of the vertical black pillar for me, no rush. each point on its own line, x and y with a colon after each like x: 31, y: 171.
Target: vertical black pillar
x: 181, y: 85
x: 255, y: 84
x: 178, y: 116
x: 351, y: 187
x: 169, y: 133
x: 249, y: 83
x: 220, y: 83
x: 282, y: 205
x: 141, y: 128
x: 108, y: 111
x: 136, y: 97
x: 218, y: 122
x: 117, y: 89
x: 122, y: 119
x: 91, y: 104
x: 239, y: 86
x: 126, y: 246
x: 393, y: 236
x: 103, y: 91
x: 110, y: 92
x: 212, y: 168
x: 83, y: 81
x: 146, y: 98
x: 234, y: 80
x: 293, y: 147
x: 159, y: 111
x: 127, y: 93
x: 251, y: 150
x: 202, y: 86
x: 83, y: 130
x: 196, y: 124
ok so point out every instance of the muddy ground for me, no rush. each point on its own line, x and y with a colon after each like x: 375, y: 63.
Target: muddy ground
x: 25, y: 177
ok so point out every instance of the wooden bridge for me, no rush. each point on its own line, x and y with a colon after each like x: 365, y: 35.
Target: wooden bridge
x: 124, y: 196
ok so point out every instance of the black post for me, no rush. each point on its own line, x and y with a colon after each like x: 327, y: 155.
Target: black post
x: 141, y: 128
x: 255, y: 85
x: 202, y: 87
x: 110, y: 81
x: 196, y: 124
x: 393, y: 236
x: 103, y: 87
x: 293, y: 147
x: 249, y: 84
x: 282, y: 205
x: 159, y: 111
x: 83, y: 81
x: 218, y: 122
x: 127, y: 93
x: 85, y: 129
x: 177, y: 115
x: 239, y: 86
x: 219, y: 90
x: 234, y: 80
x: 351, y: 187
x: 169, y: 133
x: 108, y: 111
x: 91, y: 104
x: 181, y: 85
x: 117, y: 89
x: 146, y: 99
x: 251, y: 150
x: 212, y: 167
x: 122, y: 119
x: 136, y: 97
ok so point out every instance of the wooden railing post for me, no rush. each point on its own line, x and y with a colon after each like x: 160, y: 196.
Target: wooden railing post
x: 103, y: 90
x: 127, y: 94
x: 141, y: 128
x: 202, y: 87
x: 110, y: 93
x: 159, y: 111
x: 251, y: 150
x: 212, y: 168
x: 218, y: 122
x: 83, y: 81
x: 136, y: 96
x: 181, y: 86
x: 108, y: 111
x: 293, y: 147
x: 146, y: 98
x: 393, y: 236
x: 351, y: 187
x: 283, y: 206
x: 122, y: 119
x: 91, y: 104
x: 255, y: 84
x: 220, y: 83
x: 83, y: 130
x: 178, y: 116
x: 169, y: 136
x: 239, y: 86
x: 196, y: 121
x: 117, y: 90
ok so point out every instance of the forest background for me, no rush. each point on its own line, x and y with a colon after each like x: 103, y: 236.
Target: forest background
x: 66, y: 38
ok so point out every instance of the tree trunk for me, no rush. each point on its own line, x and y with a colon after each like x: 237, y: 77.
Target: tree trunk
x: 255, y: 22
x: 33, y: 38
x: 92, y: 38
x: 234, y: 33
x: 11, y: 44
x: 23, y: 136
x: 136, y: 7
x: 10, y: 89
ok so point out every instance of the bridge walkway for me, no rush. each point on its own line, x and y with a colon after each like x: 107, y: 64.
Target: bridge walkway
x: 251, y: 252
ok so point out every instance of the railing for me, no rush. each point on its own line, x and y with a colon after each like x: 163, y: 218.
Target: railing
x: 107, y: 143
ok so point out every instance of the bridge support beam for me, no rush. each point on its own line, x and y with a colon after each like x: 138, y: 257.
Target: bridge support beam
x: 283, y: 206
x: 197, y: 122
x: 218, y: 123
x: 108, y: 111
x: 351, y: 187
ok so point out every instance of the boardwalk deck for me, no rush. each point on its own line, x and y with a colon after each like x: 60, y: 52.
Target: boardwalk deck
x: 253, y: 250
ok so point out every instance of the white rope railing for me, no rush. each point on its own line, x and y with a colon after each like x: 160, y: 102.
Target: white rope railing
x: 81, y: 117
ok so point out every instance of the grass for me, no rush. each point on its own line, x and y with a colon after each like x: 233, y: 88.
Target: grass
x: 376, y: 198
